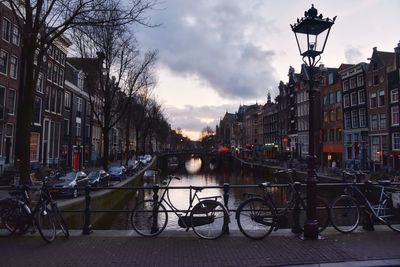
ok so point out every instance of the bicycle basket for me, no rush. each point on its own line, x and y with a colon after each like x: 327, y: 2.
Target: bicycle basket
x: 396, y: 200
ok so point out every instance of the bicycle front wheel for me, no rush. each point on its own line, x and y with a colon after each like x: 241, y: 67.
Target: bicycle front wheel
x: 208, y: 219
x: 391, y: 215
x: 255, y: 218
x: 143, y: 221
x: 322, y: 213
x: 345, y: 214
x: 45, y: 222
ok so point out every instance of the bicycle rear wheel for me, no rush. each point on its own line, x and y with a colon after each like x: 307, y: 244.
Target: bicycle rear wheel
x: 208, y: 219
x: 255, y: 218
x: 345, y: 214
x: 143, y: 221
x: 46, y: 223
x: 391, y: 215
x: 7, y: 210
x: 322, y: 214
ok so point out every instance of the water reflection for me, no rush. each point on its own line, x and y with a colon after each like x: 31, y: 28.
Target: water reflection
x: 193, y: 165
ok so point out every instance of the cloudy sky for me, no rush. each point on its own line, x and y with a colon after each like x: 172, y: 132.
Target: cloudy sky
x: 217, y: 54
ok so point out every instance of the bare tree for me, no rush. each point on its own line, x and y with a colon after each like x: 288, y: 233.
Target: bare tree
x: 121, y: 72
x: 40, y: 23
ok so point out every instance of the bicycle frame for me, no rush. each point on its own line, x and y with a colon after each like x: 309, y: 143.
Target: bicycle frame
x: 293, y: 201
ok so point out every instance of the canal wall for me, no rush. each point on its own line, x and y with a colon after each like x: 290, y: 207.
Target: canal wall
x: 102, y: 200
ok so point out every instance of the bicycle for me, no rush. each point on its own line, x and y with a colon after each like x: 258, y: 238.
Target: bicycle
x: 258, y: 215
x: 208, y: 217
x: 345, y: 209
x: 18, y: 215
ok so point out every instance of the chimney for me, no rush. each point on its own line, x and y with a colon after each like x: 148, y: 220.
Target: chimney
x: 397, y: 48
x: 375, y: 49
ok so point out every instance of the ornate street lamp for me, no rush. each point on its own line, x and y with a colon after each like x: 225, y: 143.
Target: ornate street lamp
x: 311, y: 33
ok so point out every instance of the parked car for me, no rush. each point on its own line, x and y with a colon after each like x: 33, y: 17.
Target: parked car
x: 68, y: 184
x: 117, y: 173
x: 99, y: 178
x: 133, y: 166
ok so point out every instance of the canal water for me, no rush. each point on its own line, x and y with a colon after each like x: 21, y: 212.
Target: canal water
x: 195, y: 174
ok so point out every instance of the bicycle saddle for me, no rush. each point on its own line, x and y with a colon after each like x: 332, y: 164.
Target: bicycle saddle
x: 384, y: 182
x: 265, y: 184
x: 197, y: 188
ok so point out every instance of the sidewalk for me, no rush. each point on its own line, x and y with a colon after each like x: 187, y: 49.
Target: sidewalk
x: 124, y: 248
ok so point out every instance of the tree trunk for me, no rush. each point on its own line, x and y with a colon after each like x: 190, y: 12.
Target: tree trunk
x: 127, y: 140
x: 106, y: 143
x: 24, y: 111
x: 137, y: 142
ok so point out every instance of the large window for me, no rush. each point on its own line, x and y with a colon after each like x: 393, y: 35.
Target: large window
x: 363, y: 117
x: 382, y: 121
x: 360, y: 80
x: 79, y: 105
x: 331, y: 135
x: 332, y: 115
x: 354, y: 99
x: 381, y: 98
x: 346, y: 85
x: 67, y: 100
x: 396, y: 141
x: 66, y: 126
x: 394, y: 95
x: 3, y: 62
x: 325, y: 100
x: 338, y: 96
x: 59, y: 101
x: 354, y: 118
x: 373, y: 100
x: 37, y: 111
x: 6, y: 32
x: 15, y: 35
x: 40, y: 83
x: 34, y: 146
x: 11, y: 98
x: 346, y: 100
x: 347, y: 120
x: 395, y: 115
x: 361, y: 97
x: 375, y: 151
x: 2, y: 101
x: 339, y: 115
x: 353, y: 83
x: 13, y: 67
x: 338, y: 134
x: 374, y: 121
x: 331, y: 98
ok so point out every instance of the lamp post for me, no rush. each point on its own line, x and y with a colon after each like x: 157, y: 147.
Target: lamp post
x: 311, y: 34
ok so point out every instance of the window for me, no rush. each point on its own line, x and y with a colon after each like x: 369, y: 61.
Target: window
x: 360, y: 80
x: 346, y: 85
x: 363, y: 117
x: 331, y: 98
x: 3, y: 62
x: 354, y: 118
x: 325, y: 135
x: 80, y: 81
x: 374, y: 121
x: 372, y: 98
x: 34, y: 146
x: 381, y: 98
x: 87, y: 130
x: 79, y: 104
x: 2, y: 101
x: 347, y: 120
x: 39, y: 84
x: 11, y: 97
x: 16, y: 38
x: 331, y: 135
x: 353, y: 83
x: 339, y: 115
x: 361, y: 97
x: 67, y: 100
x: 326, y: 116
x: 59, y: 102
x: 395, y: 115
x: 338, y: 96
x: 49, y: 70
x: 78, y: 128
x: 382, y: 121
x: 13, y: 67
x: 55, y: 73
x: 53, y: 101
x: 47, y: 99
x: 6, y: 29
x: 354, y: 99
x: 66, y: 126
x: 346, y: 100
x: 394, y: 95
x: 325, y: 100
x: 330, y: 78
x: 332, y: 115
x: 61, y: 78
x: 37, y: 111
x: 375, y: 148
x: 338, y: 134
x: 396, y: 141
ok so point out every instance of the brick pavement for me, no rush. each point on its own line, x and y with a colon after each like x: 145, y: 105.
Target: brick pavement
x: 116, y: 249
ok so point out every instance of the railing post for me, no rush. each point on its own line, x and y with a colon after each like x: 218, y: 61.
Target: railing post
x: 87, y: 227
x: 296, y: 228
x: 368, y: 223
x: 226, y: 200
x: 154, y: 226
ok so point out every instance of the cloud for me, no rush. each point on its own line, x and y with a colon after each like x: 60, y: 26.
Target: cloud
x: 353, y: 55
x: 216, y: 41
x: 195, y: 119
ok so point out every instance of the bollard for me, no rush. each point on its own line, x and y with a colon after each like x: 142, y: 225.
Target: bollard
x: 87, y: 227
x: 296, y: 227
x: 226, y: 200
x: 154, y: 226
x: 368, y: 223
